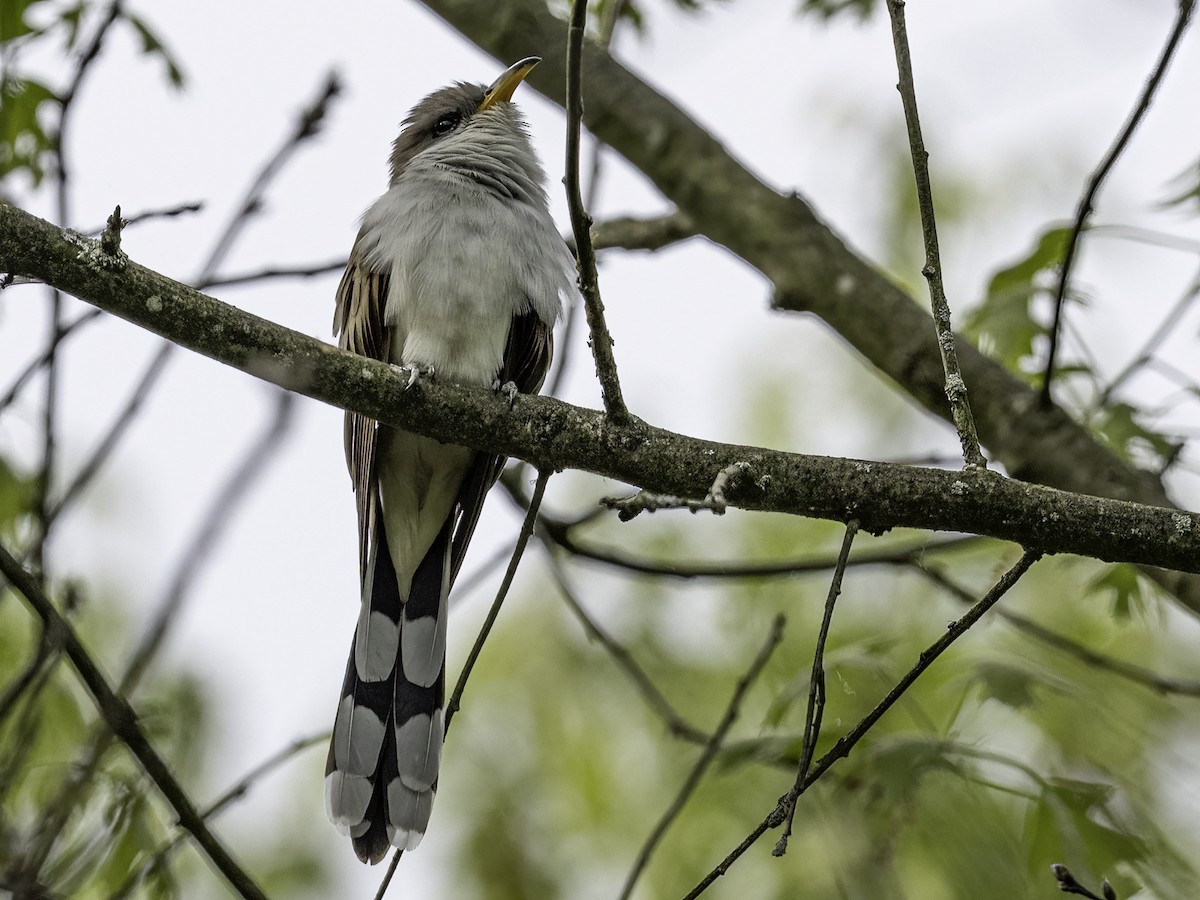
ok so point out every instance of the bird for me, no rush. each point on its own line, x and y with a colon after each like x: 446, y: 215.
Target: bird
x: 459, y: 273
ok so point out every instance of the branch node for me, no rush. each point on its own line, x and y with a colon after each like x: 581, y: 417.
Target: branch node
x: 110, y: 240
x: 94, y: 254
x: 714, y: 501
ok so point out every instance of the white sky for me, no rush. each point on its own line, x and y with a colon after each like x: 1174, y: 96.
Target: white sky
x: 1022, y: 97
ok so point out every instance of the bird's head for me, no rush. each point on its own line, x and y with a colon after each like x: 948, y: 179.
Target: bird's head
x: 461, y: 126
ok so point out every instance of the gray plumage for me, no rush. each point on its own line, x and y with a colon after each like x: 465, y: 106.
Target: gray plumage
x: 458, y: 269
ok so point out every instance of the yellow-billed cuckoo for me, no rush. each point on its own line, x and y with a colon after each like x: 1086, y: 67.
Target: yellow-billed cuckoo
x: 459, y: 271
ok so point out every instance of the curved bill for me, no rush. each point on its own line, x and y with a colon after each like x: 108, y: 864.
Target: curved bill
x: 502, y: 88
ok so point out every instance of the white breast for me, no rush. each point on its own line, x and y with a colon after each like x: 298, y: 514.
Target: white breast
x: 463, y: 261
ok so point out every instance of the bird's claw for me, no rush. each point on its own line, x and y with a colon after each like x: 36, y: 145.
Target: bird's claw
x: 509, y: 389
x: 416, y: 373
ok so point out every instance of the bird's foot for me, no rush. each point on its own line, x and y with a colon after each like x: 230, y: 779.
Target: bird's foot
x: 509, y: 389
x: 416, y: 373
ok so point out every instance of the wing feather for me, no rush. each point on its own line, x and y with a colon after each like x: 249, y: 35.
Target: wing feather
x: 358, y: 321
x: 527, y: 356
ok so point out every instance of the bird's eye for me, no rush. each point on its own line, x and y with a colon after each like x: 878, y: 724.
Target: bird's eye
x: 445, y: 124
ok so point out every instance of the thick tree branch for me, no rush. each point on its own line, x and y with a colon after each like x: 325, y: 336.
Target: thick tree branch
x: 811, y: 268
x: 553, y: 435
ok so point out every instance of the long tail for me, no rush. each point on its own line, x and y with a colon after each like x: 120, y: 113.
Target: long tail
x: 381, y: 775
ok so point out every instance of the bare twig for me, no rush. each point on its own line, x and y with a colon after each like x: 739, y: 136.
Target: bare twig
x: 1088, y: 200
x: 1139, y: 675
x: 44, y: 358
x: 774, y: 636
x: 1068, y: 884
x: 658, y: 703
x: 387, y: 876
x: 73, y: 792
x: 527, y: 527
x: 561, y: 535
x: 307, y: 126
x: 1161, y: 333
x: 235, y: 491
x: 485, y: 630
x: 116, y: 430
x: 847, y: 742
x: 956, y: 387
x: 589, y: 286
x: 714, y: 501
x: 123, y: 721
x: 22, y: 680
x: 272, y: 272
x: 640, y: 234
x: 163, y: 853
x: 816, y: 689
x: 167, y: 212
x: 87, y: 56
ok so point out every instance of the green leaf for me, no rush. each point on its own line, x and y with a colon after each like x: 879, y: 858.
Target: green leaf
x: 1123, y: 583
x: 1004, y: 325
x: 1011, y: 684
x: 13, y: 23
x: 829, y: 9
x: 1118, y: 427
x: 23, y: 140
x: 16, y: 497
x: 152, y: 45
x: 72, y: 18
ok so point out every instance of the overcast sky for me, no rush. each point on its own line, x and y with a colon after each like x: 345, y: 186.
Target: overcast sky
x: 1018, y: 99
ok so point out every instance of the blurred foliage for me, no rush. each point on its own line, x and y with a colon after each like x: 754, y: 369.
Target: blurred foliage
x: 29, y: 105
x: 118, y: 822
x: 1186, y: 192
x: 1008, y: 754
x: 830, y: 9
x: 1005, y: 324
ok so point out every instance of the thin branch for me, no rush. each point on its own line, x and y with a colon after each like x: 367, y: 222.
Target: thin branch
x: 43, y: 655
x: 847, y: 742
x: 589, y: 286
x: 560, y: 534
x: 1088, y: 200
x: 46, y: 473
x: 73, y: 791
x: 307, y: 126
x: 527, y: 527
x: 123, y: 721
x: 956, y: 387
x: 640, y: 234
x: 163, y: 852
x: 816, y: 689
x: 167, y: 212
x: 42, y: 360
x: 676, y: 724
x: 1068, y: 884
x: 1169, y: 323
x: 272, y: 273
x: 1139, y: 675
x: 222, y: 508
x: 774, y: 636
x: 387, y: 876
x: 116, y: 430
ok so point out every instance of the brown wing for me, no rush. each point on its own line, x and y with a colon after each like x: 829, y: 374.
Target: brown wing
x: 527, y: 356
x: 359, y: 324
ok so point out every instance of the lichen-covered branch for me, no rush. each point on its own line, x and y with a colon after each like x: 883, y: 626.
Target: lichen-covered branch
x: 553, y: 435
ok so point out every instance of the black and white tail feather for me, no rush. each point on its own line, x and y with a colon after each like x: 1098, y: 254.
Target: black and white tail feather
x: 458, y: 268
